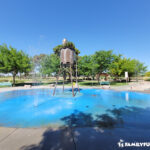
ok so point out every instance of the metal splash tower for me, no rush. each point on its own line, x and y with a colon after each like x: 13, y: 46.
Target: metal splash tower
x: 68, y: 65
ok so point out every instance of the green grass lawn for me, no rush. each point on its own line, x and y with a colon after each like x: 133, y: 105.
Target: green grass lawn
x: 95, y: 83
x: 118, y: 83
x: 23, y: 82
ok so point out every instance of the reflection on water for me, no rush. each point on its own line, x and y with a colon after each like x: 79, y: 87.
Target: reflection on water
x: 17, y: 108
x: 127, y: 96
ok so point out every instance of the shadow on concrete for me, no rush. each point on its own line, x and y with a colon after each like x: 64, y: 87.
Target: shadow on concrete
x: 54, y: 140
x: 83, y: 131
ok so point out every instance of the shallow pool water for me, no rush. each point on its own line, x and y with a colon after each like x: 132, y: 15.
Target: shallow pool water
x: 38, y: 108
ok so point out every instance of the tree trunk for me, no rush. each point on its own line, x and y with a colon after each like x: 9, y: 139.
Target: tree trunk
x: 14, y: 76
x: 98, y: 76
x: 93, y: 78
x: 20, y: 76
x: 69, y: 77
x: 129, y: 79
x: 64, y: 75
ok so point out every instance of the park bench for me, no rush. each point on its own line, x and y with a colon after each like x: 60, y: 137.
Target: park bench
x: 104, y: 83
x: 5, y: 84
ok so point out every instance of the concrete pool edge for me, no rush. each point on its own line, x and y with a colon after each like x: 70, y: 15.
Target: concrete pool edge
x: 115, y: 88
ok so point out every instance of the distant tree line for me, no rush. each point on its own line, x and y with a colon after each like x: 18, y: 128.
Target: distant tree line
x: 107, y: 62
x: 15, y: 62
x: 94, y: 65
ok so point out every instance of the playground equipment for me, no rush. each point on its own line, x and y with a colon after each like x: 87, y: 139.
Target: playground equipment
x: 68, y: 64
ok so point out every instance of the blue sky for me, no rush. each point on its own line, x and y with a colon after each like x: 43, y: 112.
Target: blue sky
x: 36, y: 26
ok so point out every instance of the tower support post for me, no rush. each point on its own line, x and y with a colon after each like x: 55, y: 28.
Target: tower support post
x: 63, y: 80
x: 71, y: 81
x: 77, y: 77
x: 57, y: 81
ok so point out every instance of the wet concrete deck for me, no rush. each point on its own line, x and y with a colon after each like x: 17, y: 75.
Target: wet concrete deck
x: 69, y: 139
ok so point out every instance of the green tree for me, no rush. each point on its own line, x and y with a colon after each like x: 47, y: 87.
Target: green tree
x: 140, y: 68
x: 115, y: 67
x: 57, y: 49
x: 25, y: 63
x: 121, y: 65
x: 102, y: 60
x: 70, y: 45
x: 38, y: 58
x: 36, y: 62
x: 133, y: 67
x: 50, y: 64
x: 85, y: 66
x: 147, y: 74
x: 13, y: 61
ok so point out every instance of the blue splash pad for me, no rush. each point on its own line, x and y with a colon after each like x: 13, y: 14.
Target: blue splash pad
x: 38, y: 108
